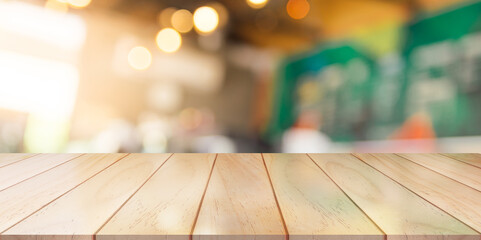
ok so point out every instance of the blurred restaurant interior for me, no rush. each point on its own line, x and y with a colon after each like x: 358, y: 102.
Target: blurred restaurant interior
x: 240, y: 76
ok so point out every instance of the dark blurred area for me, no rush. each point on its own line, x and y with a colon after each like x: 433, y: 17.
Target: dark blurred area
x: 240, y: 76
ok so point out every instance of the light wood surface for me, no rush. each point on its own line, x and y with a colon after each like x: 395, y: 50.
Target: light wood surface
x: 10, y: 158
x: 396, y: 210
x: 23, y: 199
x: 449, y: 167
x: 464, y: 203
x: 82, y: 211
x: 15, y: 173
x: 469, y: 158
x: 167, y: 205
x: 239, y: 202
x: 312, y: 205
x: 239, y: 197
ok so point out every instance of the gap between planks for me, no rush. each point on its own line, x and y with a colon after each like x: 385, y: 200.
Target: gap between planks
x: 275, y: 198
x: 19, y: 160
x: 345, y: 194
x: 63, y: 194
x: 202, y: 198
x: 360, y: 159
x: 94, y: 236
x: 459, y: 160
x: 399, y: 155
x: 125, y: 202
x: 44, y: 171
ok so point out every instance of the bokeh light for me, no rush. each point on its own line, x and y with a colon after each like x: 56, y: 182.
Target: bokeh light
x: 222, y: 12
x: 140, y: 58
x: 298, y: 9
x: 182, y: 21
x: 165, y: 16
x: 79, y: 3
x: 168, y: 40
x: 206, y: 19
x: 57, y: 5
x: 256, y: 3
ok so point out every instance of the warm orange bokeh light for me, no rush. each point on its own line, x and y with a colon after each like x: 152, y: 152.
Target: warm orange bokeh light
x: 298, y: 9
x: 79, y: 3
x: 168, y: 40
x: 206, y: 19
x: 182, y: 21
x: 56, y: 5
x: 256, y: 3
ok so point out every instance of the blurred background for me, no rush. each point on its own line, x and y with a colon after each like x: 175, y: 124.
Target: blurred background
x: 240, y: 76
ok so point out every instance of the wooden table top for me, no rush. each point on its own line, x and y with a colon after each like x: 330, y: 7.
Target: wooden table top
x: 240, y: 196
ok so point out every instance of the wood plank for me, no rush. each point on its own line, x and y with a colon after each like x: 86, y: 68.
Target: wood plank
x: 457, y: 199
x: 23, y: 199
x: 29, y: 167
x: 10, y: 158
x: 239, y: 202
x: 400, y: 213
x: 84, y: 210
x: 469, y: 158
x: 166, y: 206
x: 312, y: 205
x: 449, y: 167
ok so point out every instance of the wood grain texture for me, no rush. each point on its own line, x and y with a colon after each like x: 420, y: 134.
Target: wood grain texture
x: 25, y: 198
x: 463, y: 203
x: 400, y: 213
x: 84, y: 210
x: 469, y: 158
x: 312, y: 205
x: 167, y: 204
x: 331, y: 196
x: 239, y: 202
x: 449, y: 167
x: 15, y: 173
x: 10, y: 158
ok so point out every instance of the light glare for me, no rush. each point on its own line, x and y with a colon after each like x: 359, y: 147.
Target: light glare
x: 58, y: 29
x: 35, y: 85
x: 79, y: 3
x: 165, y: 17
x: 182, y: 21
x: 168, y: 40
x: 206, y: 19
x: 56, y: 5
x: 140, y: 58
x: 256, y: 3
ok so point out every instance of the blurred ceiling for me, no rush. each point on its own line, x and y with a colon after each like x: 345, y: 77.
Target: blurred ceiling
x: 271, y: 26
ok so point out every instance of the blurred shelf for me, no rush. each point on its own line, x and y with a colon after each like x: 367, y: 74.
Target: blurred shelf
x: 447, y: 144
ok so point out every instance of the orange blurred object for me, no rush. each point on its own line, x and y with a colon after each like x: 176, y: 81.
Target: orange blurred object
x: 418, y: 126
x: 298, y: 9
x: 309, y: 119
